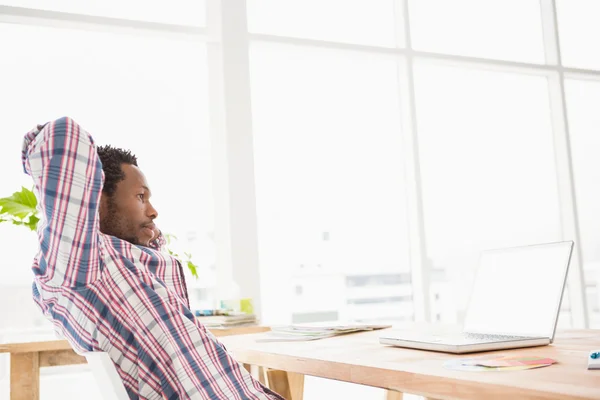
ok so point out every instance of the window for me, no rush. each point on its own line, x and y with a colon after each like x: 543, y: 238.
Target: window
x: 182, y: 12
x: 368, y: 22
x: 583, y: 96
x: 499, y: 29
x: 579, y: 32
x: 488, y: 173
x: 128, y: 91
x: 487, y: 165
x: 330, y: 191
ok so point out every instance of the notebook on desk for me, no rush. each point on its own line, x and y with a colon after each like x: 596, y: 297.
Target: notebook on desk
x: 515, y: 303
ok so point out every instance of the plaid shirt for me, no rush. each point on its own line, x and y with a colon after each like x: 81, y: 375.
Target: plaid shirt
x: 105, y: 294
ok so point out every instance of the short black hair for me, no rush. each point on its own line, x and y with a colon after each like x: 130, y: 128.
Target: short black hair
x: 112, y: 158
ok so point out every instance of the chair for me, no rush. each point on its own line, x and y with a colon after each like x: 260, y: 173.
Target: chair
x: 106, y: 376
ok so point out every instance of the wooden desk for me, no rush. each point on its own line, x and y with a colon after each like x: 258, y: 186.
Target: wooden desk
x: 27, y: 358
x: 359, y: 358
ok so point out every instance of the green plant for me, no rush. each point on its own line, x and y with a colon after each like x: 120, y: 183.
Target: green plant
x: 188, y: 257
x: 20, y: 209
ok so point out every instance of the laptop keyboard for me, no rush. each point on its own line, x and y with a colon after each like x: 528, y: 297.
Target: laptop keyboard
x: 481, y: 338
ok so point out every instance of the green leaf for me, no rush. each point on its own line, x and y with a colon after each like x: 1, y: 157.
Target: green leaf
x: 193, y: 269
x: 28, y: 197
x: 169, y: 237
x: 191, y: 266
x: 33, y: 221
x: 20, y: 205
x: 6, y: 218
x: 16, y: 210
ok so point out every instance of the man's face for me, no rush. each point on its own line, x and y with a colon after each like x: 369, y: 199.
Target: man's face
x: 128, y: 214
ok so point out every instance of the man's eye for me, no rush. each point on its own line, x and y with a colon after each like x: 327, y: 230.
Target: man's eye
x: 141, y: 196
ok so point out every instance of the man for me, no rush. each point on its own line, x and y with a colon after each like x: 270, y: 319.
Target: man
x: 101, y: 279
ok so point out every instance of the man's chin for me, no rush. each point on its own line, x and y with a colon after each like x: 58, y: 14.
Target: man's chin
x: 133, y: 240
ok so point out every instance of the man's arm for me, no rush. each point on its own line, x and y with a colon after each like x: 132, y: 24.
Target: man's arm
x: 67, y: 173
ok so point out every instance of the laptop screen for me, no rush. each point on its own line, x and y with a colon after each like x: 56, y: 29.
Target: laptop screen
x: 518, y: 291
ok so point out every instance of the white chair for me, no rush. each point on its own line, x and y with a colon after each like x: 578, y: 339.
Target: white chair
x: 108, y: 379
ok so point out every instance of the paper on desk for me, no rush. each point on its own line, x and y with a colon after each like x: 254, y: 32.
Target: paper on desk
x: 495, y: 362
x: 511, y: 361
x: 298, y: 333
x: 329, y: 327
x: 274, y: 337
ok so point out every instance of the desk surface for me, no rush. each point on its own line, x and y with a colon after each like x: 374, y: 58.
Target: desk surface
x: 359, y: 358
x: 47, y: 341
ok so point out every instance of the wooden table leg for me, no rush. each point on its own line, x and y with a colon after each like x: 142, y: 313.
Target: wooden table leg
x: 258, y: 372
x: 54, y: 358
x: 25, y: 376
x: 393, y: 395
x: 288, y: 384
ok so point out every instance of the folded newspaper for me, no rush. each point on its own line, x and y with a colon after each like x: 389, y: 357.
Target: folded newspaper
x: 299, y: 333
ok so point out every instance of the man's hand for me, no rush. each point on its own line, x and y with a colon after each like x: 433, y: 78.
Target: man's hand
x: 156, y: 234
x: 158, y: 240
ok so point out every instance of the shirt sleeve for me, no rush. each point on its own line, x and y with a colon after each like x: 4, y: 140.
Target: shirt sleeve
x: 67, y: 173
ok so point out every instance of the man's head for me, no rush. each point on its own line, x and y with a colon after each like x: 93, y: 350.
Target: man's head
x: 125, y: 209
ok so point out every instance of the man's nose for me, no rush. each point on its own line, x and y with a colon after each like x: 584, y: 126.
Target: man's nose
x: 151, y: 211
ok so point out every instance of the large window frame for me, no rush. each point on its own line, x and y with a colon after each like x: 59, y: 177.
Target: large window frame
x: 228, y: 41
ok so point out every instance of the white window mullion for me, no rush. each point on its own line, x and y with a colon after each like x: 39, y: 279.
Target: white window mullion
x: 232, y: 150
x: 420, y: 271
x: 564, y: 164
x: 67, y: 20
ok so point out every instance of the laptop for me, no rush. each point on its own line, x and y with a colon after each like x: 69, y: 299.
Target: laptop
x: 514, y: 303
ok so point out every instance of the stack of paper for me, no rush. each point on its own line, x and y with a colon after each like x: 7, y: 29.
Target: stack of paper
x: 293, y: 333
x: 227, y: 321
